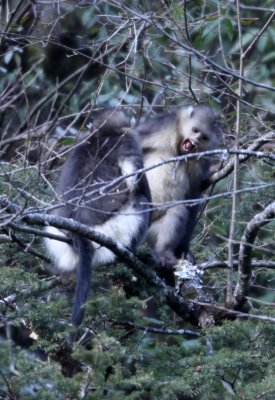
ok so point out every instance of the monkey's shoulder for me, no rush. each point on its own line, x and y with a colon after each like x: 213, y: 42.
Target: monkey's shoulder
x: 153, y: 125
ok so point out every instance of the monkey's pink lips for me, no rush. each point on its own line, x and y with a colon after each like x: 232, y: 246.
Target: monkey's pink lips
x: 187, y: 145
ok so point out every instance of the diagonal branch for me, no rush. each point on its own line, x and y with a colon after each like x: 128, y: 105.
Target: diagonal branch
x: 173, y: 299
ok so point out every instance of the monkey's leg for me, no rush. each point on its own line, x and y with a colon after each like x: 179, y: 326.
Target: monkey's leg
x: 188, y: 225
x: 165, y: 234
x: 171, y: 234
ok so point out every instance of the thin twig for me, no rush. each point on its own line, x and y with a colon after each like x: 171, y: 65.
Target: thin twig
x: 235, y: 184
x: 258, y: 34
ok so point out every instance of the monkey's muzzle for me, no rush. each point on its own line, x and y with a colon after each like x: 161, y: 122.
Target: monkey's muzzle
x: 187, y: 145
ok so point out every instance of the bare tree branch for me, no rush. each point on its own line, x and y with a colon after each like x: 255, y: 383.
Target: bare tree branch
x: 223, y: 264
x: 226, y: 312
x: 249, y: 237
x: 158, y: 331
x: 228, y: 168
x: 201, y: 56
x: 236, y: 160
x: 123, y: 253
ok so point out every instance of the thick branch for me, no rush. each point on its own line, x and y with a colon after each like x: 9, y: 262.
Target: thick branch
x: 224, y: 312
x: 223, y: 264
x: 175, y: 301
x: 248, y: 238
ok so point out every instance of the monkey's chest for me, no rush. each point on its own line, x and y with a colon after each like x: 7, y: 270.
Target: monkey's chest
x: 168, y: 181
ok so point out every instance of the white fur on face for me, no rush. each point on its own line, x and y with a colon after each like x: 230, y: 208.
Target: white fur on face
x: 121, y: 228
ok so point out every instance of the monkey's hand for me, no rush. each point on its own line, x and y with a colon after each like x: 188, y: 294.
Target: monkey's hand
x: 166, y: 263
x: 189, y: 256
x: 128, y: 167
x: 167, y: 259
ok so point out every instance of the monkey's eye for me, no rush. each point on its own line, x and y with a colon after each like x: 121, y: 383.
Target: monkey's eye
x: 195, y: 130
x: 204, y: 137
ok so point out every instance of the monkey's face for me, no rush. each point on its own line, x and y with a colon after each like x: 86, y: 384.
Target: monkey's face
x: 197, y: 137
x: 197, y: 130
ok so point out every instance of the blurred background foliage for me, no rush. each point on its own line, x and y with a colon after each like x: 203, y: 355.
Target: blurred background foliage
x: 60, y: 60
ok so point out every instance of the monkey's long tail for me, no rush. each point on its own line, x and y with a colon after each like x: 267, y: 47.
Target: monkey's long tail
x: 83, y: 283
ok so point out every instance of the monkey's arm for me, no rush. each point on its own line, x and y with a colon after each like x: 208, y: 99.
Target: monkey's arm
x: 129, y: 166
x: 130, y: 161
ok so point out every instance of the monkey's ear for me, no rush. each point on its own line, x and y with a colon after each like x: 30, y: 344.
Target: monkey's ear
x: 190, y: 111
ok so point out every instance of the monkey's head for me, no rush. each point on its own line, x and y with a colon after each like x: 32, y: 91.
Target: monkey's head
x: 197, y: 129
